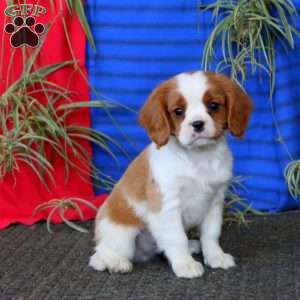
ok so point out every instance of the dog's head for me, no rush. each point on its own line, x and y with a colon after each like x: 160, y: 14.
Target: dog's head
x: 196, y: 108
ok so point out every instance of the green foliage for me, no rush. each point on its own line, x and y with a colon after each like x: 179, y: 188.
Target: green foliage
x: 35, y: 123
x: 292, y: 177
x: 237, y: 210
x: 61, y: 206
x: 28, y: 125
x: 248, y: 30
x: 76, y: 7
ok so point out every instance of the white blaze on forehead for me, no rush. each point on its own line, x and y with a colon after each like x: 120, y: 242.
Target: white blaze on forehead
x: 192, y: 86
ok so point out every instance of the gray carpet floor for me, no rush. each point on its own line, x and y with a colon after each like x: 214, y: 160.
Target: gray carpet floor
x: 37, y: 265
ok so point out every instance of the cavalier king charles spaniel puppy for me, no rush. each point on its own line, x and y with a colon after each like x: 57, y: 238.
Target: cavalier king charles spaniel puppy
x: 178, y: 182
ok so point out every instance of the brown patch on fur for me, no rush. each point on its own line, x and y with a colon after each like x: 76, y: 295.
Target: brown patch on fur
x: 135, y: 178
x: 139, y: 183
x: 238, y: 104
x: 157, y: 115
x: 135, y: 185
x: 131, y: 185
x: 119, y: 210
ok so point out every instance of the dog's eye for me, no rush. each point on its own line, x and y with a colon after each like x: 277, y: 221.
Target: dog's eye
x: 214, y: 106
x: 179, y: 111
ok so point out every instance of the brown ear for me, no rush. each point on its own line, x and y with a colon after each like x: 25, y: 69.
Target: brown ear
x: 239, y: 105
x: 154, y: 115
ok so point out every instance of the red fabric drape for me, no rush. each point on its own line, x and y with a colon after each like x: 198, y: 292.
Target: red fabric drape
x: 19, y: 196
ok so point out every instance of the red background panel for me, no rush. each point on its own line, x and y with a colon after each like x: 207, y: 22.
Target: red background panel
x: 21, y: 194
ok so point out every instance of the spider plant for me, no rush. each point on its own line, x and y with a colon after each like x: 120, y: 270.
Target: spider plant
x: 77, y: 6
x: 27, y: 126
x: 292, y: 177
x: 236, y: 209
x: 61, y: 206
x: 35, y: 123
x: 248, y: 31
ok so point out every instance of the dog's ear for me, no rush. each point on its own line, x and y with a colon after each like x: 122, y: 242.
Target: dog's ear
x: 154, y: 115
x: 238, y: 104
x: 239, y: 110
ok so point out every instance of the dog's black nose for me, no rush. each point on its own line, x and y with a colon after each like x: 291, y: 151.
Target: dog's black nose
x: 198, y: 125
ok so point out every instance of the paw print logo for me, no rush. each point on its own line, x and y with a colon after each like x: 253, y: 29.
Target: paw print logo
x: 24, y: 31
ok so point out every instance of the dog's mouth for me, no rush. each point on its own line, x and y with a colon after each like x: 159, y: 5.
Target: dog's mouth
x: 198, y: 138
x: 201, y: 141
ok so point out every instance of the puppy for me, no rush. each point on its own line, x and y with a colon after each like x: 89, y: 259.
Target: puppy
x: 179, y: 181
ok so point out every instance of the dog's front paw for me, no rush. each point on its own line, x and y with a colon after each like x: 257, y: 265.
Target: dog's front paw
x: 221, y: 260
x: 112, y: 264
x: 97, y: 263
x: 122, y: 265
x: 188, y: 269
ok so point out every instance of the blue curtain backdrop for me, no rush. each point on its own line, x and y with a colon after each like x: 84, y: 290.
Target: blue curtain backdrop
x: 141, y: 43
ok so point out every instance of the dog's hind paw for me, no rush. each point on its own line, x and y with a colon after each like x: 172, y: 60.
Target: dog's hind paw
x: 115, y: 264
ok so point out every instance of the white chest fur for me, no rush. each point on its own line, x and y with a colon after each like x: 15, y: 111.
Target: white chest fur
x: 191, y: 179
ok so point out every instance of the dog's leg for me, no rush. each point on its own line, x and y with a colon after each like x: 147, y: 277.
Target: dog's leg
x: 210, y: 229
x: 168, y: 231
x: 115, y: 248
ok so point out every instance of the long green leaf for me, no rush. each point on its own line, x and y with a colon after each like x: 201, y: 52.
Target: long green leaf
x: 83, y: 20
